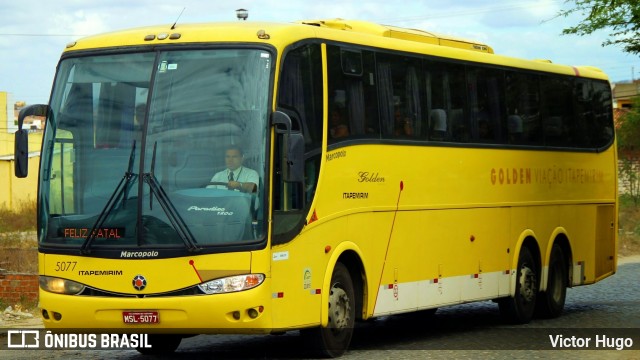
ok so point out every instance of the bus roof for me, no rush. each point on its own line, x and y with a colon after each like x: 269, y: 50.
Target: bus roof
x: 357, y: 32
x: 400, y: 33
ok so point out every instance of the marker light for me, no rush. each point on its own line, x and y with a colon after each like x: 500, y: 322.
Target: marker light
x: 231, y: 284
x: 60, y: 286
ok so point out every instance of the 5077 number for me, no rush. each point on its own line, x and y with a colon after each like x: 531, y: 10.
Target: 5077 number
x: 66, y: 265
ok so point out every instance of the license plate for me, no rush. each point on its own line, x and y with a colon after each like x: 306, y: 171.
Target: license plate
x: 140, y: 317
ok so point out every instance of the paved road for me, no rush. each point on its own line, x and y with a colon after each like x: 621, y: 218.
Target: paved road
x: 609, y: 308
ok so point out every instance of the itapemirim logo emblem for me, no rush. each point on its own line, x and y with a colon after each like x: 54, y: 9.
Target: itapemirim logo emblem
x: 139, y: 282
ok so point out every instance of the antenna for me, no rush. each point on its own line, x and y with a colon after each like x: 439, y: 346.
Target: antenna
x: 174, y: 24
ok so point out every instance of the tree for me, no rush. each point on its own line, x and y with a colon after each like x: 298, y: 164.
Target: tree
x: 620, y: 17
x: 628, y: 134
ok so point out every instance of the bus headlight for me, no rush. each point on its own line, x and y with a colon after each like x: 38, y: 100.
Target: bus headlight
x: 60, y: 286
x: 231, y: 284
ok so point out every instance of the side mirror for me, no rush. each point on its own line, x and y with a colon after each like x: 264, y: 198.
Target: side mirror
x: 292, y: 148
x: 21, y: 149
x: 21, y: 153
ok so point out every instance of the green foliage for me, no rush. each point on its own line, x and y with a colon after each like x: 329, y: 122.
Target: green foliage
x: 628, y: 133
x: 620, y: 17
x: 630, y: 176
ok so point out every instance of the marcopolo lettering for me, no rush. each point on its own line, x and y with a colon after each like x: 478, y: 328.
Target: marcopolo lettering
x: 336, y: 155
x: 138, y: 254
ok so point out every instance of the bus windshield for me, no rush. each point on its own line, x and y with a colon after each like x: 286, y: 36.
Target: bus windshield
x: 156, y: 149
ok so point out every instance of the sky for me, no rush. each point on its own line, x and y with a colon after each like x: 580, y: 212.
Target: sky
x: 33, y: 33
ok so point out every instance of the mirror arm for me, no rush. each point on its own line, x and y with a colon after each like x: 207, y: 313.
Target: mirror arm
x: 280, y: 118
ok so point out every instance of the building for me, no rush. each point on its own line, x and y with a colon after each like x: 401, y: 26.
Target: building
x: 17, y: 190
x: 624, y: 92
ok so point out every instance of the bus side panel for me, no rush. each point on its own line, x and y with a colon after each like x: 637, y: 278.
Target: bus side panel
x: 605, y: 246
x: 297, y: 282
x: 458, y: 255
x: 300, y: 267
x: 588, y: 229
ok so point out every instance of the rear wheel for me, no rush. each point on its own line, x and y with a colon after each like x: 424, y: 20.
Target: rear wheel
x: 551, y: 301
x: 519, y: 309
x: 333, y: 340
x: 161, y: 344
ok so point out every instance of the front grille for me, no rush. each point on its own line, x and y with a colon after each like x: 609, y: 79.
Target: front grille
x: 88, y: 291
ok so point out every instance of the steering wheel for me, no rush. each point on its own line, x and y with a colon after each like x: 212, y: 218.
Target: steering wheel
x: 220, y: 183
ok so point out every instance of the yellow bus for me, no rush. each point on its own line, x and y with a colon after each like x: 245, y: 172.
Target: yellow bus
x: 376, y: 171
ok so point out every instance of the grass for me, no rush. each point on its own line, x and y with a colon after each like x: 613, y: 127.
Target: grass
x: 18, y: 243
x: 22, y: 219
x: 629, y: 227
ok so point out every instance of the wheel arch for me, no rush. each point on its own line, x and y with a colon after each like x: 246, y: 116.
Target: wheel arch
x: 349, y: 255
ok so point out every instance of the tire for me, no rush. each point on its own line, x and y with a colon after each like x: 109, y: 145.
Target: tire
x: 161, y: 344
x: 550, y: 302
x: 519, y: 309
x: 333, y: 340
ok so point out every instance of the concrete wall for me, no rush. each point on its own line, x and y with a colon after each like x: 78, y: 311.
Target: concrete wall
x: 14, y: 190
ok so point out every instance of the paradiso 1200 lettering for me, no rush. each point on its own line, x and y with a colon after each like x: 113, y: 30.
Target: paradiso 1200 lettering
x: 217, y: 210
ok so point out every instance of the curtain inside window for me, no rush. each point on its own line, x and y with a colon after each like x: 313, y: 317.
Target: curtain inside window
x: 385, y: 98
x: 356, y: 106
x: 413, y: 100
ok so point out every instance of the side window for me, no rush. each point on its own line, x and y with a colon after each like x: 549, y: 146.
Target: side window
x: 602, y: 126
x: 300, y: 91
x: 557, y: 119
x: 300, y: 96
x: 584, y: 122
x: 446, y: 102
x: 486, y: 104
x: 62, y: 171
x: 399, y: 80
x: 352, y: 101
x: 523, y: 109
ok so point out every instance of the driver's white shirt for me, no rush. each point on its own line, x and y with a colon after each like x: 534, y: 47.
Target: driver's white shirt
x: 241, y: 174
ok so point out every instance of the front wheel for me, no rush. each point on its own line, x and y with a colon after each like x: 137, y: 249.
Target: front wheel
x: 519, y: 309
x: 333, y: 340
x: 551, y: 302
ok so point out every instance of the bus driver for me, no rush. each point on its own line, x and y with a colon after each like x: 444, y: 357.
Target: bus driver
x: 237, y: 177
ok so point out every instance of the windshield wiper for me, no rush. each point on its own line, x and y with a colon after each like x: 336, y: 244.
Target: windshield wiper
x: 121, y: 190
x: 169, y: 209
